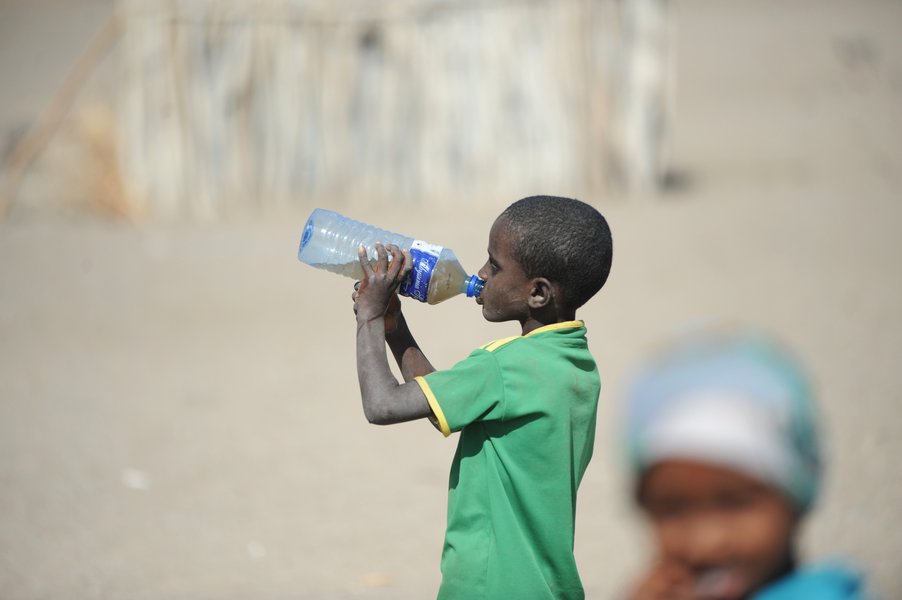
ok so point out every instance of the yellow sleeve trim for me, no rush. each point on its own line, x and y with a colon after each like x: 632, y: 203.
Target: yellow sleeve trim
x: 441, y: 422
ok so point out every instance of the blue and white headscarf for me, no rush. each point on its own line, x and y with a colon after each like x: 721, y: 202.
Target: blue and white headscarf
x: 732, y: 399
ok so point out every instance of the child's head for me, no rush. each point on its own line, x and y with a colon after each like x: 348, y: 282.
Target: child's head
x: 723, y: 445
x: 559, y: 240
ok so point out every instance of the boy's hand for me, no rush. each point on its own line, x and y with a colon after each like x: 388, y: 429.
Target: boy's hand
x: 376, y: 294
x: 392, y: 314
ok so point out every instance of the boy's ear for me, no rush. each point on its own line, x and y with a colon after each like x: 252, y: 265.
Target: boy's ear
x: 542, y: 293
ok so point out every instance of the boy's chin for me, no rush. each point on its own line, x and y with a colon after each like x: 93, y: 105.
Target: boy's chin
x: 494, y: 318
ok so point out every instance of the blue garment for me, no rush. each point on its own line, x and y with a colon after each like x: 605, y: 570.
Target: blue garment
x: 823, y: 582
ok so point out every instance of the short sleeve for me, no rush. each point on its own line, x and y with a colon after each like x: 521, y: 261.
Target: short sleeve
x: 470, y: 391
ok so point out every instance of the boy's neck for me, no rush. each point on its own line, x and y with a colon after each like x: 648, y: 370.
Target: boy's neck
x: 546, y: 306
x: 533, y: 322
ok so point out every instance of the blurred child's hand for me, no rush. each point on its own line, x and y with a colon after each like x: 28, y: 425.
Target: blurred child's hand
x: 376, y: 294
x: 665, y: 581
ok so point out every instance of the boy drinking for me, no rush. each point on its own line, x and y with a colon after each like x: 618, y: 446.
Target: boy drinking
x: 723, y: 445
x: 525, y: 406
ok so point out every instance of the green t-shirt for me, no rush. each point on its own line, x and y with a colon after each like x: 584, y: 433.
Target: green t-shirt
x: 525, y: 407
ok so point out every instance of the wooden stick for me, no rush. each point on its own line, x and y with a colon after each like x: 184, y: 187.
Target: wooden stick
x: 30, y: 146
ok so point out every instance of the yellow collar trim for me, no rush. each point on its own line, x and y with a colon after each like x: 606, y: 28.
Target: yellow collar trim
x: 492, y: 346
x: 553, y: 326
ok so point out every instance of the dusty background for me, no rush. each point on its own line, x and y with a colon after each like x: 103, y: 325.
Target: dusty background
x: 179, y: 414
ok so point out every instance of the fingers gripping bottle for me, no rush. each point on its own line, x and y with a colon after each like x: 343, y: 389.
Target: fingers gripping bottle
x: 330, y: 242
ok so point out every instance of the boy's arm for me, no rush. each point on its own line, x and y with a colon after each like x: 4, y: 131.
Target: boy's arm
x: 384, y: 400
x: 410, y: 358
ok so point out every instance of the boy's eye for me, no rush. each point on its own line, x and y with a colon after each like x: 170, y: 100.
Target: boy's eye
x: 493, y: 267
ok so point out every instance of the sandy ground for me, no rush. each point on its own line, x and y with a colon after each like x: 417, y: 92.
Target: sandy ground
x: 179, y: 415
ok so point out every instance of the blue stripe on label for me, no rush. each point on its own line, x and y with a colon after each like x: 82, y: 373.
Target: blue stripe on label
x: 424, y: 257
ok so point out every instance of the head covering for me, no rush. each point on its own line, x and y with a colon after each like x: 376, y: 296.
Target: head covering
x: 734, y: 399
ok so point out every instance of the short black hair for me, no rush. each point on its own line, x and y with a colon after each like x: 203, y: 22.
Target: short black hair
x: 564, y: 240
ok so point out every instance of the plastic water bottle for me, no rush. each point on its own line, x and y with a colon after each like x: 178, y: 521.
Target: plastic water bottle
x: 330, y: 242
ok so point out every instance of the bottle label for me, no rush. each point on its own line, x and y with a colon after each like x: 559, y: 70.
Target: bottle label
x: 424, y: 256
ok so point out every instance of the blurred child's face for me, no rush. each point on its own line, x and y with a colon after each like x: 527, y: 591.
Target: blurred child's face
x: 731, y: 534
x: 504, y: 296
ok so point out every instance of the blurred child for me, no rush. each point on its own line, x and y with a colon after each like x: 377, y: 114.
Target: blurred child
x: 724, y: 448
x: 525, y: 405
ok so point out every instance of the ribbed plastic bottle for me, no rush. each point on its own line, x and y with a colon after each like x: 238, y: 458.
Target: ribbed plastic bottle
x: 330, y: 242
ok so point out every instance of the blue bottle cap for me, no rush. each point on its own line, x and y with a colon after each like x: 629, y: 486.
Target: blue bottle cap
x: 474, y: 287
x: 308, y: 232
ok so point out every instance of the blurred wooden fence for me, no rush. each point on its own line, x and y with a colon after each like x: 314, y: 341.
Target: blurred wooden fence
x: 234, y: 106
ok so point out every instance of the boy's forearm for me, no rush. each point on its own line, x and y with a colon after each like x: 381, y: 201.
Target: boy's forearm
x: 384, y: 400
x: 410, y: 358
